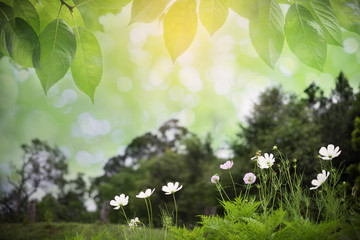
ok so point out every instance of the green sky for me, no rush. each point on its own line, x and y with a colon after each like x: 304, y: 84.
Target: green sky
x: 210, y: 88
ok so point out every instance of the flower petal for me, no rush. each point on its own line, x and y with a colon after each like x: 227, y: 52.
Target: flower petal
x: 117, y: 199
x: 323, y: 151
x: 165, y: 189
x: 315, y: 182
x: 314, y: 187
x: 179, y: 188
x: 330, y: 149
x: 113, y: 203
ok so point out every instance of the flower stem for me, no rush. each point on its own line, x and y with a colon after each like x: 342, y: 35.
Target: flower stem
x: 124, y: 214
x: 219, y: 188
x: 176, y: 213
x: 147, y: 209
x: 151, y: 213
x: 233, y: 183
x: 247, y: 192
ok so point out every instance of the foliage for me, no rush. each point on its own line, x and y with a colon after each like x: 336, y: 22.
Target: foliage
x: 355, y: 135
x: 284, y: 209
x: 72, y: 231
x: 54, y: 36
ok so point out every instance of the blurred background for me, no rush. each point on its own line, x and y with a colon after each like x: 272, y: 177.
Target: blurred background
x: 217, y: 101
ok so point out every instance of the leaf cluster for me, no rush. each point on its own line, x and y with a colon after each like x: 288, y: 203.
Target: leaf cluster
x: 51, y: 37
x: 308, y: 25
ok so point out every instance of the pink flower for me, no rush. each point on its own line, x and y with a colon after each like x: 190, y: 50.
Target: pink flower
x: 227, y: 165
x: 249, y: 178
x: 215, y: 178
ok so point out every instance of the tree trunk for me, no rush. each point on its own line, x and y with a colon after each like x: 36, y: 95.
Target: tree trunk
x: 31, y: 212
x: 105, y: 211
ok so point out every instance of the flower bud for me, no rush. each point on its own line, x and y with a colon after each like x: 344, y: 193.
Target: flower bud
x: 275, y: 147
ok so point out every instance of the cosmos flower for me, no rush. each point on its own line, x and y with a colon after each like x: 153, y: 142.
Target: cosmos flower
x: 171, y: 188
x: 145, y: 194
x: 249, y: 178
x: 119, y: 201
x: 321, y: 177
x: 227, y: 165
x: 330, y: 152
x: 266, y: 161
x: 134, y: 222
x: 215, y: 178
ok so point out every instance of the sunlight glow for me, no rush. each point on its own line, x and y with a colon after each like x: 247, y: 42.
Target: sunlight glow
x: 351, y: 45
x: 85, y: 159
x: 190, y: 78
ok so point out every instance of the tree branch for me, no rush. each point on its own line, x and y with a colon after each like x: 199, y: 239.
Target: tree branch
x: 67, y: 5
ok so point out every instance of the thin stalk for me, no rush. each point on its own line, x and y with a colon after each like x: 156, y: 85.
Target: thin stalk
x: 176, y: 213
x: 218, y: 186
x: 151, y: 213
x: 225, y: 193
x: 248, y: 186
x: 124, y: 214
x: 232, y: 180
x: 147, y: 209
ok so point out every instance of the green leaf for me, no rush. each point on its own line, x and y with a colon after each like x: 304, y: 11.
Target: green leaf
x: 55, y: 53
x: 266, y: 31
x: 21, y: 40
x: 87, y: 66
x: 147, y: 10
x: 180, y: 26
x: 49, y: 11
x: 245, y: 8
x: 3, y: 48
x: 108, y: 4
x: 25, y: 10
x: 213, y: 14
x: 7, y: 2
x: 305, y: 37
x: 6, y: 14
x: 283, y: 1
x: 325, y: 16
x: 348, y: 14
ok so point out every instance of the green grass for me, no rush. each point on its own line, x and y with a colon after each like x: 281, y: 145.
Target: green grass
x: 72, y: 231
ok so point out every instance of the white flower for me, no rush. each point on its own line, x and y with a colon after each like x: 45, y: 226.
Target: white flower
x: 119, y: 201
x: 145, y: 194
x: 134, y: 222
x: 266, y: 161
x: 321, y: 177
x: 227, y: 165
x: 171, y: 188
x: 329, y: 153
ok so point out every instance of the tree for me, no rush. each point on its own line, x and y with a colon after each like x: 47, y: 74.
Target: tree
x: 335, y: 117
x: 54, y: 36
x: 42, y: 166
x: 285, y: 121
x: 170, y: 154
x: 151, y: 144
x: 299, y: 127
